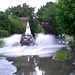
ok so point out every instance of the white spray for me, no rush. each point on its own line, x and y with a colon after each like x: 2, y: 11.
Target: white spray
x: 46, y: 45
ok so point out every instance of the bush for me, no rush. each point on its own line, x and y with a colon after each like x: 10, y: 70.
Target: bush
x: 4, y: 22
x: 35, y: 26
x: 72, y: 45
x: 1, y: 43
x: 4, y: 33
x: 16, y: 26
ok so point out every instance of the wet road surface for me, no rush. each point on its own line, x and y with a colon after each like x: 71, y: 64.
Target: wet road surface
x: 33, y: 60
x: 34, y: 65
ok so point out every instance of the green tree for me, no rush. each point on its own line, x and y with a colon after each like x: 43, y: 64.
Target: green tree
x: 16, y: 26
x: 65, y: 16
x: 4, y: 22
x: 47, y: 13
x: 25, y: 11
x: 4, y: 33
x: 35, y: 26
x: 21, y: 11
x: 11, y: 25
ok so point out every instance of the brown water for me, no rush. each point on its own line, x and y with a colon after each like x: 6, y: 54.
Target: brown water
x: 34, y: 65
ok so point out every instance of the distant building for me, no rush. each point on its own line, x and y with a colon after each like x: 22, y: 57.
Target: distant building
x: 24, y: 20
x: 46, y: 27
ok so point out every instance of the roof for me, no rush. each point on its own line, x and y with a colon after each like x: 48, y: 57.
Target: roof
x: 24, y: 18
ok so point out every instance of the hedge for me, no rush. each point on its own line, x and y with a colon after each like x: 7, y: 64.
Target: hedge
x: 4, y: 33
x: 1, y: 43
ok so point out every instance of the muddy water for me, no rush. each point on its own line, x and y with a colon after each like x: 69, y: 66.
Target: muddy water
x: 33, y: 60
x: 34, y: 65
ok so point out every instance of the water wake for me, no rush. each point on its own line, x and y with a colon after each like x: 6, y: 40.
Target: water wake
x: 45, y: 45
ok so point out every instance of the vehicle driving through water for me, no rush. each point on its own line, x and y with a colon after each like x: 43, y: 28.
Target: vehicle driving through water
x: 27, y: 38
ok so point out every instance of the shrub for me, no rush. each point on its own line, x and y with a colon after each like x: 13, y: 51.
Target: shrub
x: 16, y: 26
x: 1, y: 43
x: 4, y: 22
x: 72, y: 45
x: 4, y: 33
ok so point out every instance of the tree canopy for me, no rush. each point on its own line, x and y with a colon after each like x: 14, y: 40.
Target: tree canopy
x: 47, y: 14
x: 20, y: 11
x: 10, y: 24
x: 16, y: 26
x: 60, y: 16
x: 65, y: 16
x: 26, y: 11
x: 4, y: 22
x: 36, y: 27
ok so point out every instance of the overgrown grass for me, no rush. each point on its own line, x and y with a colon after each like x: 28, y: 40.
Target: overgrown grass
x: 61, y: 55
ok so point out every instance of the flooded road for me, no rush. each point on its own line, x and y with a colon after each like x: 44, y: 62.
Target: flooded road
x: 33, y: 60
x: 6, y: 67
x: 45, y: 44
x: 34, y: 65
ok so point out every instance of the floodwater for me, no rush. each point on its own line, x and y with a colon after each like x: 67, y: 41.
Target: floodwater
x: 33, y: 60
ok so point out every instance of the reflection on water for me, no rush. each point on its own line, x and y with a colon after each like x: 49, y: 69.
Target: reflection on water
x: 33, y: 65
x: 6, y: 67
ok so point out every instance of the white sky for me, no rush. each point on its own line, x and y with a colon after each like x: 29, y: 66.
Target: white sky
x: 4, y: 4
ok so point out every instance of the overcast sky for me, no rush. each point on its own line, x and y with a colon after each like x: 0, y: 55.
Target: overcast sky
x: 4, y: 4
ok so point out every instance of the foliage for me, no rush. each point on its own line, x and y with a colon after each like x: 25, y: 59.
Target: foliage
x: 1, y: 43
x: 16, y: 26
x: 20, y: 11
x: 69, y: 38
x: 24, y: 11
x: 39, y: 29
x: 72, y: 45
x: 47, y: 14
x: 65, y: 16
x: 61, y: 55
x: 10, y: 24
x: 4, y: 33
x: 4, y: 22
x: 35, y: 26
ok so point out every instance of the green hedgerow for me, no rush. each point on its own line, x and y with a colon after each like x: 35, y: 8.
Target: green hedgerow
x: 4, y: 33
x: 1, y: 43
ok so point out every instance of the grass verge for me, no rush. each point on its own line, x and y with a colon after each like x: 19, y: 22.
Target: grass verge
x: 61, y: 55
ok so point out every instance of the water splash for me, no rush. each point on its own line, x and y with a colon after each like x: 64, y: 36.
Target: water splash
x: 12, y: 40
x: 45, y: 40
x: 46, y: 46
